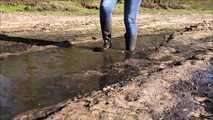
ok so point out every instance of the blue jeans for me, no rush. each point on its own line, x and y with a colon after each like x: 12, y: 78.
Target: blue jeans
x: 131, y: 9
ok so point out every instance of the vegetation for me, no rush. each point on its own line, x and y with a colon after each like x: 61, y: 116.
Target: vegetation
x: 92, y: 6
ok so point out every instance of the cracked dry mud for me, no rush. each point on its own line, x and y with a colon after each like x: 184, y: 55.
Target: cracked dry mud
x: 173, y: 82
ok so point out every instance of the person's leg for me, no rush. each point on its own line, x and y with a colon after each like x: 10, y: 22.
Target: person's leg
x: 106, y: 8
x: 131, y: 11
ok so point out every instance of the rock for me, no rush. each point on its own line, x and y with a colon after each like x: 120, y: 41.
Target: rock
x: 94, y: 38
x: 200, y: 26
x: 200, y: 99
x: 131, y: 97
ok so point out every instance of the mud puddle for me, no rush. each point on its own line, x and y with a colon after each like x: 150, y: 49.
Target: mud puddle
x: 44, y: 78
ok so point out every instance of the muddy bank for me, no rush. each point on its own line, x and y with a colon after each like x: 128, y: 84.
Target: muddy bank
x: 172, y: 81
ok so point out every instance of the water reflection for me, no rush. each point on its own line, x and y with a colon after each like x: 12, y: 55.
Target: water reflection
x: 47, y: 77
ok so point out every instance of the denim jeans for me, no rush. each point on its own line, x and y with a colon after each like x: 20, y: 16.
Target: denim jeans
x: 131, y: 9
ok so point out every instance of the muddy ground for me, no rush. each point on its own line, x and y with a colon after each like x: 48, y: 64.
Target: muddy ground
x: 26, y: 32
x: 173, y: 80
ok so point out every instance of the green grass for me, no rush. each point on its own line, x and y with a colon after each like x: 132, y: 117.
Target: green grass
x: 48, y: 7
x: 70, y: 7
x: 12, y: 8
x: 81, y: 10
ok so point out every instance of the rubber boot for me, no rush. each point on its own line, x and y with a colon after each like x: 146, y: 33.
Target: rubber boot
x: 130, y: 43
x: 107, y: 44
x: 107, y: 37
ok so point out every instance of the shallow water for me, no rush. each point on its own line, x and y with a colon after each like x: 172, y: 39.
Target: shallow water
x: 40, y: 79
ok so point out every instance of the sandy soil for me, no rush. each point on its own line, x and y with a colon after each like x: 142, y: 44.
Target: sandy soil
x: 178, y: 85
x: 147, y: 23
x: 35, y: 22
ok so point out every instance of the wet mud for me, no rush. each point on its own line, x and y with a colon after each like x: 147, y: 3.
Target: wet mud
x: 168, y: 77
x: 44, y: 78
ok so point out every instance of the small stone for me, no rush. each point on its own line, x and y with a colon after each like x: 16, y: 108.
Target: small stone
x: 144, y: 72
x: 195, y: 114
x: 95, y: 101
x: 200, y: 99
x: 162, y: 66
x: 108, y: 88
x: 94, y: 38
x: 75, y: 99
x: 87, y: 103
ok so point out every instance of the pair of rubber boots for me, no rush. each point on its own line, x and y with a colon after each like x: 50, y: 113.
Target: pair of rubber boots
x: 129, y: 43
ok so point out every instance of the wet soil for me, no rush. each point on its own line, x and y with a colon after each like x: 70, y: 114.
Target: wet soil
x: 169, y: 76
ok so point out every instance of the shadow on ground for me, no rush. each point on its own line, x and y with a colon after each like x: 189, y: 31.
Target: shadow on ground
x: 31, y: 41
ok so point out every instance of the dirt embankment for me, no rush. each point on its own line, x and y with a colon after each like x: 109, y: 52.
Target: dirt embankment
x: 175, y: 81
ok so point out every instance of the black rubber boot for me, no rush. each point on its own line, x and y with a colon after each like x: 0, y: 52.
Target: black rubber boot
x: 107, y: 37
x: 130, y: 54
x: 107, y: 44
x: 130, y: 43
